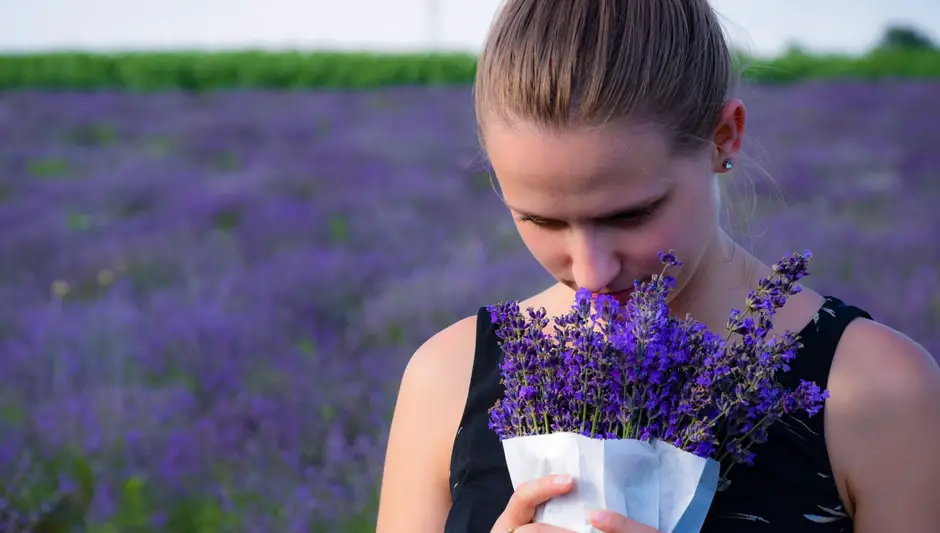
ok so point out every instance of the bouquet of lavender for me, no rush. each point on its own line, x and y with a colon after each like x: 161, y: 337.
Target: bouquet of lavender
x: 646, y: 410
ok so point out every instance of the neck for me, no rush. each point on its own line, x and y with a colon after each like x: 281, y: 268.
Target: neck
x: 722, y: 280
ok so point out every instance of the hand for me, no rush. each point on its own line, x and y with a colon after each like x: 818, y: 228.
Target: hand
x: 611, y: 522
x: 520, y: 511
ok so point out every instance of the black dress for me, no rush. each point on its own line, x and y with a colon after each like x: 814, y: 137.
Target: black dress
x: 790, y: 486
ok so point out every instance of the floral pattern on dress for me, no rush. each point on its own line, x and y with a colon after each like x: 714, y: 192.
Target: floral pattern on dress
x: 831, y: 517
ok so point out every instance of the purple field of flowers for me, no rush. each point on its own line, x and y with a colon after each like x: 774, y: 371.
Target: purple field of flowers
x: 211, y: 298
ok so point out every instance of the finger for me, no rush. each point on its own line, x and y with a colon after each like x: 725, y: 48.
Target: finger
x: 522, y: 505
x: 610, y: 522
x: 540, y: 528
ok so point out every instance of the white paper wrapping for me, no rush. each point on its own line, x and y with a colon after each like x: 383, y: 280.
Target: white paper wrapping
x: 655, y: 483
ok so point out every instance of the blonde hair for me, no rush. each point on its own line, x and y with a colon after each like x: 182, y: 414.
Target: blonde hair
x: 561, y: 63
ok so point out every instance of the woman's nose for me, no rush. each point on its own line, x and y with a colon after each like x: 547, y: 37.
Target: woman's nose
x: 594, y: 264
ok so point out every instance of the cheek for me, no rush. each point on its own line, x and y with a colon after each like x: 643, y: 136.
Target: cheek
x: 684, y: 228
x: 544, y: 246
x: 639, y: 248
x: 692, y: 229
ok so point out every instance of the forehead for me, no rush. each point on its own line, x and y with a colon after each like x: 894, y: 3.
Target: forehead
x: 578, y: 170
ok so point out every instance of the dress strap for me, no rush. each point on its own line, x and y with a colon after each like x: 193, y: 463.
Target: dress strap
x: 821, y: 337
x: 483, y: 391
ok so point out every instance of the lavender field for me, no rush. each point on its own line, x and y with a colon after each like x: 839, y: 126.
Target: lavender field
x: 211, y: 298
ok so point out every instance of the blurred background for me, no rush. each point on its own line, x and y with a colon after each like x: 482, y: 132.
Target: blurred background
x: 764, y: 27
x: 226, y: 225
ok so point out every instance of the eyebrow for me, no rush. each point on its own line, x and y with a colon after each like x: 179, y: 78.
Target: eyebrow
x: 632, y: 210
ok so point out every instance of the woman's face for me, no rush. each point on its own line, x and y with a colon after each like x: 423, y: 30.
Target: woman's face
x: 595, y: 205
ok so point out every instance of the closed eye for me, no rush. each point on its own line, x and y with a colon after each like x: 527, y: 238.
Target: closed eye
x: 630, y: 218
x: 539, y: 221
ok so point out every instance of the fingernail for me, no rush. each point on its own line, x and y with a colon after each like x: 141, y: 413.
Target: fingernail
x: 600, y: 518
x: 561, y: 479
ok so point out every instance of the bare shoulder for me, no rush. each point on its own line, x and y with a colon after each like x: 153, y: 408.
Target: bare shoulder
x: 437, y: 377
x: 885, y: 360
x: 882, y: 428
x: 433, y: 391
x: 415, y: 492
x: 444, y: 361
x: 441, y: 367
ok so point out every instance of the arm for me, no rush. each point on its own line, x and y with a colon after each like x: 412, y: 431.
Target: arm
x: 883, y: 430
x: 415, y: 493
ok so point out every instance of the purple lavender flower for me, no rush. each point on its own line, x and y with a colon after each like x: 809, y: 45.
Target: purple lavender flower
x: 635, y: 371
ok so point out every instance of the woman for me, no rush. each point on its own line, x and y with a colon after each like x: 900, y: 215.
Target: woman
x: 606, y: 123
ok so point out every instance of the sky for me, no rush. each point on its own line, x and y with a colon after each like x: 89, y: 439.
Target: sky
x: 763, y: 27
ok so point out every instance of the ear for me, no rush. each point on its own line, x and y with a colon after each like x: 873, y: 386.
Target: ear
x: 729, y: 134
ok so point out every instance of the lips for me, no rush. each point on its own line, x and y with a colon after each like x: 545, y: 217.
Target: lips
x: 621, y: 296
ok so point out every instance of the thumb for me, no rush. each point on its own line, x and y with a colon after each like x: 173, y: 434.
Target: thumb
x: 611, y: 522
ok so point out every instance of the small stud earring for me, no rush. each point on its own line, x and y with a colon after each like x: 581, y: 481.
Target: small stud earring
x: 728, y: 164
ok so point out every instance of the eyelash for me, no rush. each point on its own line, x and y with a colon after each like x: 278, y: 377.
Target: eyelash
x: 632, y: 221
